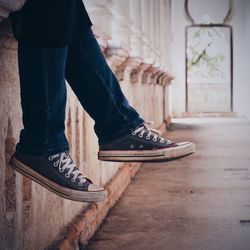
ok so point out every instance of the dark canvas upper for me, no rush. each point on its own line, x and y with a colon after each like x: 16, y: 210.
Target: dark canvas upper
x: 50, y: 168
x: 137, y: 141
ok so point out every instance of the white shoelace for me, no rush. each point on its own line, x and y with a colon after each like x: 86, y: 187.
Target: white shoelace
x: 65, y: 162
x: 150, y: 131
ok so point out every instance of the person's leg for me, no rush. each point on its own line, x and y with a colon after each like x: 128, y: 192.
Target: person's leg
x: 42, y: 152
x: 99, y: 91
x: 122, y: 133
x: 43, y: 100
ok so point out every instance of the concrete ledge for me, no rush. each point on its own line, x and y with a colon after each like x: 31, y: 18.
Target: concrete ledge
x: 208, y: 114
x: 86, y: 223
x: 165, y: 125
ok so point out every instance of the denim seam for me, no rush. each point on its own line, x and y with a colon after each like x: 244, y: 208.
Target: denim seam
x: 46, y: 95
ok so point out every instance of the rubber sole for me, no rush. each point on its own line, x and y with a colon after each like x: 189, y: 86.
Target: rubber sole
x: 159, y: 155
x: 67, y: 193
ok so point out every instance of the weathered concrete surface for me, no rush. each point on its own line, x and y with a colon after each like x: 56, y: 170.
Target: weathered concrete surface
x: 196, y: 203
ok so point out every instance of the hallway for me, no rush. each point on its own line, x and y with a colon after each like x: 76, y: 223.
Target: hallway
x: 201, y: 202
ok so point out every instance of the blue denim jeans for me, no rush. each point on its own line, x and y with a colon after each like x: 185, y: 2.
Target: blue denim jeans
x: 43, y: 95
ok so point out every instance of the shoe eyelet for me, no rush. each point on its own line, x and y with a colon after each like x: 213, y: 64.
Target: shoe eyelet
x: 154, y: 140
x: 141, y: 146
x: 67, y: 175
x: 140, y: 135
x: 133, y: 133
x: 55, y: 164
x: 73, y: 180
x: 132, y: 146
x: 147, y: 137
x: 80, y: 184
x: 61, y: 170
x: 50, y: 158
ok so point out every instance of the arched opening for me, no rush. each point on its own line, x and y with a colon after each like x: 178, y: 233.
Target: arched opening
x: 209, y: 61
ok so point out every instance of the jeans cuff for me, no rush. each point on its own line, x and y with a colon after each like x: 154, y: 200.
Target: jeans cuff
x: 41, y: 152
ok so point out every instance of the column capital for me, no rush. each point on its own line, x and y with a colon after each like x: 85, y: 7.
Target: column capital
x: 119, y: 44
x: 7, y: 6
x: 101, y: 16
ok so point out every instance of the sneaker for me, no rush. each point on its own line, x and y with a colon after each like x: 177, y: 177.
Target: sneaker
x: 59, y: 174
x: 144, y: 145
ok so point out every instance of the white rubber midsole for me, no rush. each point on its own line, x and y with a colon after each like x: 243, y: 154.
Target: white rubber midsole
x: 71, y: 194
x: 183, y: 148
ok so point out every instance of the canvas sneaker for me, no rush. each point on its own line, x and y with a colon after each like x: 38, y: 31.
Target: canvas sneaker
x: 142, y: 145
x: 59, y: 174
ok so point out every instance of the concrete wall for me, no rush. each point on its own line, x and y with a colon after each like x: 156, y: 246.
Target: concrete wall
x: 179, y: 21
x: 241, y: 29
x: 30, y: 216
x: 241, y: 32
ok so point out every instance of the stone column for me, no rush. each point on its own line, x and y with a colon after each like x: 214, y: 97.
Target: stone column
x: 165, y: 31
x: 146, y: 49
x: 158, y: 34
x: 7, y: 6
x: 121, y: 24
x: 135, y: 13
x: 150, y: 66
x: 101, y: 17
x: 119, y: 45
x: 131, y: 65
x: 145, y: 29
x: 165, y: 41
x: 163, y: 28
x: 152, y: 27
x: 155, y: 37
